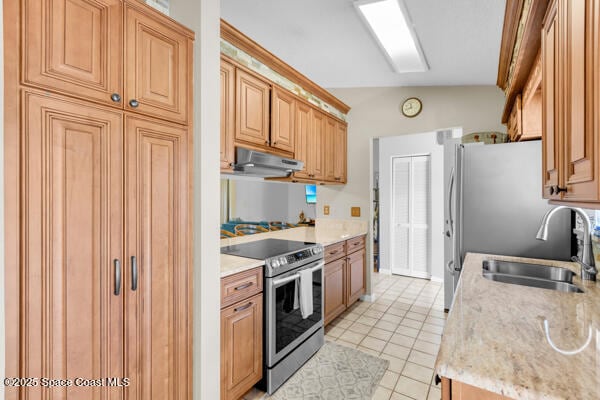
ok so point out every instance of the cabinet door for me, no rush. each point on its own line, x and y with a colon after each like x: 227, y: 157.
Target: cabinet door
x: 158, y: 60
x: 335, y: 289
x: 356, y: 275
x: 303, y: 137
x: 227, y: 114
x: 551, y: 107
x: 241, y: 347
x: 252, y: 109
x: 158, y: 318
x: 72, y: 218
x: 282, y: 120
x: 75, y: 47
x: 316, y: 144
x: 329, y: 149
x: 579, y: 169
x: 340, y: 155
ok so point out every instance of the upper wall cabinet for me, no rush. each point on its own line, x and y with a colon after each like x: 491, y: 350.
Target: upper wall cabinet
x: 82, y: 49
x: 252, y: 109
x: 75, y: 46
x: 282, y: 120
x: 157, y: 59
x: 227, y: 114
x: 570, y: 43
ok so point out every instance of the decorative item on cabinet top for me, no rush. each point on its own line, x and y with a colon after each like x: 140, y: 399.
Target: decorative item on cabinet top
x: 485, y: 137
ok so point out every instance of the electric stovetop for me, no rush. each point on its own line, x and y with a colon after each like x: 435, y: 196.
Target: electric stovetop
x: 265, y: 248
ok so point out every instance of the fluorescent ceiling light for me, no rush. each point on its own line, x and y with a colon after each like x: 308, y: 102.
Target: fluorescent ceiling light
x: 389, y: 23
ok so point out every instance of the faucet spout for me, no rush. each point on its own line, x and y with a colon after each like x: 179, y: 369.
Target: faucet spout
x: 588, y: 269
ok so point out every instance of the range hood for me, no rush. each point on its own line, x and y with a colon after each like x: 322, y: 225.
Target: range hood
x: 263, y: 165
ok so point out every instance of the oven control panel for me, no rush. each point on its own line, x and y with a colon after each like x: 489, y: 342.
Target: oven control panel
x: 293, y: 258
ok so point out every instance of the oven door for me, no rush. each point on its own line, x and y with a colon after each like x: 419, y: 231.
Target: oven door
x: 285, y: 327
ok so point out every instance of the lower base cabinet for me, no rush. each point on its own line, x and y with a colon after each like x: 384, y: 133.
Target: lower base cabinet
x: 241, y: 333
x: 345, y: 275
x: 456, y: 390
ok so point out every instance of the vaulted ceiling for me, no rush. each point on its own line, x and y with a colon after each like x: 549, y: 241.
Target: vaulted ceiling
x: 328, y: 42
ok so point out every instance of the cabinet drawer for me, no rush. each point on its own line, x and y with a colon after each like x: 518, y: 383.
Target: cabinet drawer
x: 241, y: 286
x: 335, y: 251
x: 355, y: 244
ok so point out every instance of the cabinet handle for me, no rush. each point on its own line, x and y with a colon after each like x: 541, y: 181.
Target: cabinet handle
x: 115, y: 97
x: 558, y: 189
x: 242, y: 308
x: 117, y: 267
x: 338, y: 178
x: 134, y: 273
x: 551, y: 190
x: 333, y: 252
x: 275, y: 143
x: 242, y: 287
x: 134, y: 103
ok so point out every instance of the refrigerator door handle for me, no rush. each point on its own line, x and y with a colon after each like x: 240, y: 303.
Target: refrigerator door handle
x: 457, y: 218
x: 450, y: 231
x: 450, y: 266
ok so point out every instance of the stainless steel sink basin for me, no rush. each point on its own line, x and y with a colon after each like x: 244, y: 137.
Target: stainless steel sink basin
x: 533, y: 282
x: 529, y: 270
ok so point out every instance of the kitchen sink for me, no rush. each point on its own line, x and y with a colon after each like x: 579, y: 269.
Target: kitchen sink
x: 532, y: 282
x: 528, y: 270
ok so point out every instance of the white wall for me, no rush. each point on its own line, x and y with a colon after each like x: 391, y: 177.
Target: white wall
x: 202, y: 16
x: 376, y: 113
x: 406, y: 145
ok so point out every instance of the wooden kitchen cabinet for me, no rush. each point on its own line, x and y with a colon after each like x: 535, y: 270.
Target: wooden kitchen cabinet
x: 303, y: 139
x: 334, y: 289
x: 569, y: 132
x: 121, y: 54
x: 340, y: 153
x: 72, y: 234
x: 531, y: 104
x: 316, y: 144
x: 101, y: 284
x: 514, y: 125
x: 551, y: 140
x: 158, y: 59
x: 157, y: 210
x: 227, y: 115
x: 252, y: 109
x: 74, y: 47
x: 345, y: 273
x: 329, y: 149
x: 456, y: 390
x: 283, y: 123
x: 241, y: 333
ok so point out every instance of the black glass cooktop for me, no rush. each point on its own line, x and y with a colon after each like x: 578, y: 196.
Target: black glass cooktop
x: 266, y: 248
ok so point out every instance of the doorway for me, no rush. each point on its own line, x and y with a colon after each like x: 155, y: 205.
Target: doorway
x: 411, y: 216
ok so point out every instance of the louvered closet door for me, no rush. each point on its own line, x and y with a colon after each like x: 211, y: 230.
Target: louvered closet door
x: 411, y: 216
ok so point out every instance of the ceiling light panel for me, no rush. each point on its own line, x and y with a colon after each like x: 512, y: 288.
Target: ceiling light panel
x: 389, y: 23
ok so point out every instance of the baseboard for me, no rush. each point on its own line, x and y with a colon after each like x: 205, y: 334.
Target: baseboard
x: 370, y: 298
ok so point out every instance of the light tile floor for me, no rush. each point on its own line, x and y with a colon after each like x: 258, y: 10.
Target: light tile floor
x: 403, y: 325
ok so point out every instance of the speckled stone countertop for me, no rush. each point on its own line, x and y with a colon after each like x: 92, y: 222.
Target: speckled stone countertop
x: 324, y: 234
x: 495, y: 338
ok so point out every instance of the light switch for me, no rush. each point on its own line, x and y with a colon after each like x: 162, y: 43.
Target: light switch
x: 325, y: 210
x: 355, y: 211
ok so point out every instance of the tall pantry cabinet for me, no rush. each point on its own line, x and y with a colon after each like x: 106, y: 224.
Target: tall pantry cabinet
x: 98, y: 165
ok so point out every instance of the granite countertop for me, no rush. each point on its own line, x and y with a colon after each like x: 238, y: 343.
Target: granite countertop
x: 325, y: 235
x: 495, y: 338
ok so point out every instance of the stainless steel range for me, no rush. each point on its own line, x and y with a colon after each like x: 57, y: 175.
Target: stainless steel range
x: 290, y: 338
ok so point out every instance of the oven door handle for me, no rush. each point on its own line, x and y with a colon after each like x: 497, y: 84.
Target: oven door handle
x: 283, y: 281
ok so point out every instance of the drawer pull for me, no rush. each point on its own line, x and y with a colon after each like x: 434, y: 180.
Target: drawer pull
x: 242, y: 287
x: 333, y: 252
x: 242, y: 308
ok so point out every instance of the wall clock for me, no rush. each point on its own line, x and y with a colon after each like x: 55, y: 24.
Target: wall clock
x: 411, y: 107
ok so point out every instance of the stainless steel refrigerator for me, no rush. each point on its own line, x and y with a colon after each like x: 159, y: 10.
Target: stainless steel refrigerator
x: 494, y: 205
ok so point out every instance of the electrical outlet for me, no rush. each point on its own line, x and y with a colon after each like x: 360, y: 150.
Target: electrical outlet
x: 325, y: 210
x: 355, y: 211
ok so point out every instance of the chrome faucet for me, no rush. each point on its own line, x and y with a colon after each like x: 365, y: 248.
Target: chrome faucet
x: 588, y: 268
